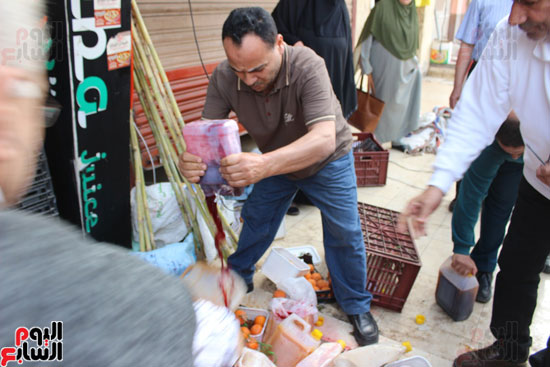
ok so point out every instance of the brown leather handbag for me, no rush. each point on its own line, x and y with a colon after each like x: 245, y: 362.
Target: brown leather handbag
x: 369, y: 109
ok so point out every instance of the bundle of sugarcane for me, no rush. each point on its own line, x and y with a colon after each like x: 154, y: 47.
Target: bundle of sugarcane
x: 145, y: 228
x: 164, y: 117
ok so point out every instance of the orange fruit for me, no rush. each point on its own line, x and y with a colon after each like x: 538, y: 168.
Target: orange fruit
x: 241, y: 316
x: 259, y: 320
x: 307, y: 276
x: 312, y: 282
x: 316, y: 276
x: 252, y: 343
x: 315, y: 288
x: 311, y: 268
x: 245, y: 331
x: 240, y: 313
x: 279, y: 294
x: 256, y: 329
x: 322, y: 283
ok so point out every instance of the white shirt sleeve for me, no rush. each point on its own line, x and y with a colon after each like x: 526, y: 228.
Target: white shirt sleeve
x: 483, y: 106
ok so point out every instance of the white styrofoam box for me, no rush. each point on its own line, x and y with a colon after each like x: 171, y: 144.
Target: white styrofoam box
x: 281, y: 264
x: 306, y: 249
x: 251, y: 314
x: 416, y: 361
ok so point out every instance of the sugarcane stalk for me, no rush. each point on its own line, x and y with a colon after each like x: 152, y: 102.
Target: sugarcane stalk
x: 152, y: 116
x: 157, y: 127
x: 141, y: 227
x: 161, y: 102
x: 227, y: 227
x: 147, y: 71
x: 172, y: 174
x: 149, y: 234
x: 145, y: 235
x: 141, y: 25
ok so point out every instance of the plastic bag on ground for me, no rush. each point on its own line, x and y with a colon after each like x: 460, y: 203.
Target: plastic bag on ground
x: 173, y: 258
x: 253, y: 358
x: 217, y: 341
x: 370, y: 356
x: 166, y: 219
x: 299, y: 289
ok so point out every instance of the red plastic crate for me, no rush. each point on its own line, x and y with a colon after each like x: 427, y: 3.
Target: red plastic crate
x: 393, y: 261
x: 371, y: 166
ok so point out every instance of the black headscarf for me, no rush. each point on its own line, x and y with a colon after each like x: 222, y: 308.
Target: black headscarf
x: 324, y: 26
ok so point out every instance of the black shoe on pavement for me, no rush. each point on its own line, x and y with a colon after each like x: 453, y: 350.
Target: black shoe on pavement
x: 365, y: 329
x: 546, y: 269
x: 293, y: 210
x: 249, y: 287
x: 485, y: 291
x: 491, y: 356
x: 452, y: 205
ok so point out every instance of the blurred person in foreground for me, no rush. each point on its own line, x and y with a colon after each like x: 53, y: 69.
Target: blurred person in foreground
x: 513, y: 73
x: 115, y: 309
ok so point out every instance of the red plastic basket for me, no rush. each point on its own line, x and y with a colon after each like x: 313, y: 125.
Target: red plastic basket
x: 393, y: 261
x: 371, y: 160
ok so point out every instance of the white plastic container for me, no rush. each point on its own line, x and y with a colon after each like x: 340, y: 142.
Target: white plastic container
x: 324, y: 355
x: 416, y: 361
x: 306, y: 249
x: 281, y: 264
x: 293, y: 340
x: 251, y: 314
x: 455, y: 293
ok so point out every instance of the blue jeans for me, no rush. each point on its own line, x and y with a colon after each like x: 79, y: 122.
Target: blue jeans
x: 334, y: 191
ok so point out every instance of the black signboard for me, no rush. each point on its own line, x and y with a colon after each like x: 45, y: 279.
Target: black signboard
x: 88, y: 147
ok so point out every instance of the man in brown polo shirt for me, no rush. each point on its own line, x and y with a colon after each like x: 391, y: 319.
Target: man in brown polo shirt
x: 283, y: 96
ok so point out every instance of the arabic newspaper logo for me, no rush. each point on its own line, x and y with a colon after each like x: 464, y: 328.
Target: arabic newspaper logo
x: 48, y: 341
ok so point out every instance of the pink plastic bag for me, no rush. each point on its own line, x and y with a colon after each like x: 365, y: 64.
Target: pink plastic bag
x: 281, y: 308
x: 212, y: 141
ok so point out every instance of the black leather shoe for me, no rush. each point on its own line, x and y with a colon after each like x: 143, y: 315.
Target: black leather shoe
x: 365, y: 329
x: 293, y: 210
x: 487, y: 357
x: 485, y: 291
x: 546, y: 269
x: 452, y: 205
x: 249, y: 287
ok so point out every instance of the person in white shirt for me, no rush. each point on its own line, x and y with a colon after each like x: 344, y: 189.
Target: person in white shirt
x: 513, y: 73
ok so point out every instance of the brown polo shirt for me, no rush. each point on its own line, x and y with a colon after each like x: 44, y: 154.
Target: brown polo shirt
x: 302, y: 95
